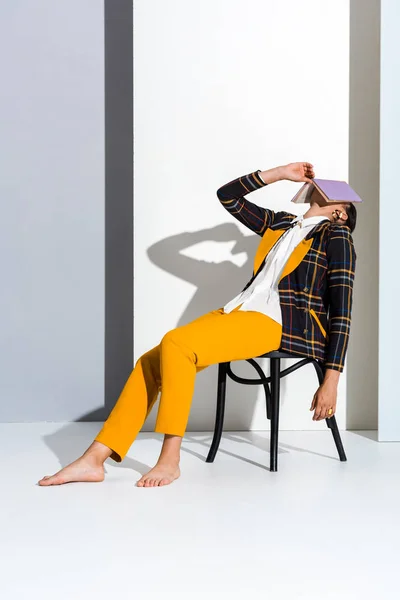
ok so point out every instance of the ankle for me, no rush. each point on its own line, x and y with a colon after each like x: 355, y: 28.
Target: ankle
x: 97, y: 454
x: 93, y: 459
x: 169, y: 460
x: 170, y: 451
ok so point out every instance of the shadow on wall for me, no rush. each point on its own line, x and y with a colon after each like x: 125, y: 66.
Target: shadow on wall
x: 216, y: 283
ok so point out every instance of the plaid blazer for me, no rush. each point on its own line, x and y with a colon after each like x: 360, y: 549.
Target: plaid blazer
x: 316, y: 288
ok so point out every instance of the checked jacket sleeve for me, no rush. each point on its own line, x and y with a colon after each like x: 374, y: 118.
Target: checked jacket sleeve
x: 231, y: 196
x: 341, y: 258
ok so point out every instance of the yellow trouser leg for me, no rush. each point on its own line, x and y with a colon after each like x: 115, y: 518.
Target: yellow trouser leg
x: 213, y: 338
x: 134, y: 404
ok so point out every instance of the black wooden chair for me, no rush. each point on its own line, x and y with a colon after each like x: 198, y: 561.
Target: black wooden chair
x: 271, y: 397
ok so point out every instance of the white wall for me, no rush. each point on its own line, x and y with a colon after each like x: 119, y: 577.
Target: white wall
x: 221, y: 90
x: 389, y: 283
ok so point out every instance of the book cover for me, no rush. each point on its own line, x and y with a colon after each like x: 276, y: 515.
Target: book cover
x: 330, y: 189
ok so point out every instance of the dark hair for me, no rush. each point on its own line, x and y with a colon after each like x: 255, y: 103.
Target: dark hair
x: 351, y: 217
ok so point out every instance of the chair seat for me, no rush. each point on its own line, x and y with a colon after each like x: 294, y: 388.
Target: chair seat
x: 281, y: 354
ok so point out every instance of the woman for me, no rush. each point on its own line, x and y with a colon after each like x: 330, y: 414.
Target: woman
x: 298, y: 299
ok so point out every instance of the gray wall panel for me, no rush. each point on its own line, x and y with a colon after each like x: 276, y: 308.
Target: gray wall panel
x: 52, y: 195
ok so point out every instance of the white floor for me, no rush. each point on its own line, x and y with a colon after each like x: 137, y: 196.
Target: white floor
x: 317, y: 529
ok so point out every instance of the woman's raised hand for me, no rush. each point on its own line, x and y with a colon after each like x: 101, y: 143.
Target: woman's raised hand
x: 299, y: 171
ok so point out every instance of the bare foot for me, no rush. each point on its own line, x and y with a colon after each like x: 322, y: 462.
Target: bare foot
x: 161, y: 474
x: 83, y: 469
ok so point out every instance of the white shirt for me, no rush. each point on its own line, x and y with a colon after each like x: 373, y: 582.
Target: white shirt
x: 262, y: 295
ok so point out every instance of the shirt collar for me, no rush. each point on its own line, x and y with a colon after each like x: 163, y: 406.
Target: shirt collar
x: 305, y: 222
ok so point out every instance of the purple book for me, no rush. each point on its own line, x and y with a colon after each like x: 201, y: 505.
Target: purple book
x: 330, y: 190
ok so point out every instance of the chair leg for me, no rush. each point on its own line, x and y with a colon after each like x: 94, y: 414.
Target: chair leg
x: 336, y: 436
x: 331, y: 423
x: 267, y: 400
x: 219, y: 417
x: 275, y: 384
x: 261, y: 374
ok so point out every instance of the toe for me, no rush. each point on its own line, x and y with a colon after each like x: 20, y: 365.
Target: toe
x: 164, y: 482
x: 46, y: 480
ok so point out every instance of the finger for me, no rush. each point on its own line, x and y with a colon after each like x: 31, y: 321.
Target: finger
x: 312, y: 407
x: 329, y: 416
x: 308, y: 177
x: 318, y: 412
x: 323, y: 413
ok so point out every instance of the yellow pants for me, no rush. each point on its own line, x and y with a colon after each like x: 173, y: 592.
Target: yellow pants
x: 171, y: 368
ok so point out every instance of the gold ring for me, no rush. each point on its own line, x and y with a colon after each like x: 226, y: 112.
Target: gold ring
x: 330, y: 411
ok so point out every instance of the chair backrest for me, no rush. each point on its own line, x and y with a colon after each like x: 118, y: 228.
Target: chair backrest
x: 282, y: 354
